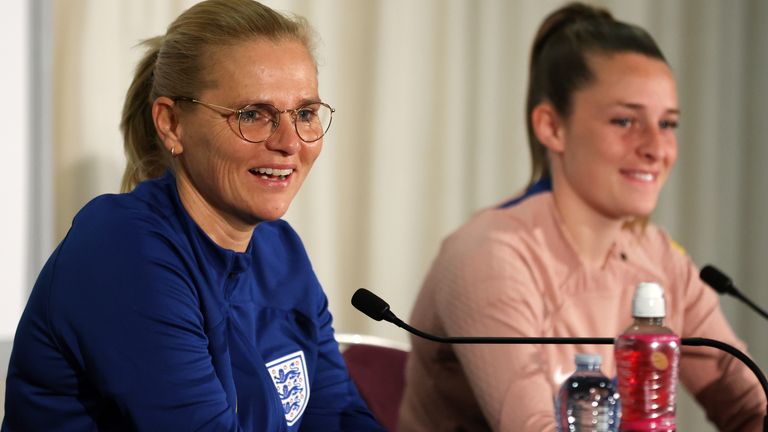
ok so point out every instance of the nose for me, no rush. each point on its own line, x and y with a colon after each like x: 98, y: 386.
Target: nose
x: 285, y: 139
x: 652, y: 146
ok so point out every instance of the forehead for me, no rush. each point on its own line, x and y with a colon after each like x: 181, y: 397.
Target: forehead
x: 261, y: 70
x: 631, y: 78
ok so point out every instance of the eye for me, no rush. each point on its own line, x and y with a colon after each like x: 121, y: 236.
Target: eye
x: 307, y: 114
x: 623, y: 122
x: 256, y: 114
x: 668, y: 124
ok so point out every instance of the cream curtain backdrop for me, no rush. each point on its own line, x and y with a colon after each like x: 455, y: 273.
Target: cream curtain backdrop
x: 429, y: 128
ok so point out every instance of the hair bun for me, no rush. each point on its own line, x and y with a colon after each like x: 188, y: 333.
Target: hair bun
x: 567, y: 15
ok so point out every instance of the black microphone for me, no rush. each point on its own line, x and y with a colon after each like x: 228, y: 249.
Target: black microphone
x: 378, y: 309
x: 373, y: 306
x: 724, y: 285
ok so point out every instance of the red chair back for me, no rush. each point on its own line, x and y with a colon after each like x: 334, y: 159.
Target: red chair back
x: 379, y: 374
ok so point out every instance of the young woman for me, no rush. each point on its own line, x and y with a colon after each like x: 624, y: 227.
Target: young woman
x: 563, y: 258
x: 186, y: 303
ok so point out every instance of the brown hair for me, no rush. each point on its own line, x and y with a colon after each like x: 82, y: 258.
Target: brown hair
x: 559, y: 62
x: 174, y: 66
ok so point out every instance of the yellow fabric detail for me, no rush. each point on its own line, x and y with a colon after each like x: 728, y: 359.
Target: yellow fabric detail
x: 676, y: 246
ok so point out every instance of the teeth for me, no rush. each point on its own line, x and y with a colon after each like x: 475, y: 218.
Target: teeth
x: 273, y: 171
x: 642, y: 176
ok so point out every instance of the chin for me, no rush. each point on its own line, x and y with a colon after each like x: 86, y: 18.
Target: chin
x: 267, y: 217
x: 254, y: 216
x: 640, y: 205
x: 271, y: 214
x: 641, y: 211
x: 265, y: 208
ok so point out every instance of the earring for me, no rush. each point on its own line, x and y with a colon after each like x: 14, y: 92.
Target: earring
x: 173, y: 151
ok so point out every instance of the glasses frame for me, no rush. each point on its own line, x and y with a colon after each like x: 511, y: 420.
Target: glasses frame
x: 237, y: 112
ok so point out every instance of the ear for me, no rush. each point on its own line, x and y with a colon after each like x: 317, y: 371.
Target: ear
x: 167, y: 124
x: 548, y: 127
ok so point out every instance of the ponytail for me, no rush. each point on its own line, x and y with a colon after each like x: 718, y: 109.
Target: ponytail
x: 144, y: 153
x: 561, y: 18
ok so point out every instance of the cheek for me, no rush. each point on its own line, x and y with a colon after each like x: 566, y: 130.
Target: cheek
x: 591, y: 154
x: 216, y: 161
x: 310, y: 153
x: 225, y: 149
x: 594, y: 143
x: 672, y: 152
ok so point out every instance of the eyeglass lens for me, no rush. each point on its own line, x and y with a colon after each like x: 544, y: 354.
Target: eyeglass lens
x: 258, y: 122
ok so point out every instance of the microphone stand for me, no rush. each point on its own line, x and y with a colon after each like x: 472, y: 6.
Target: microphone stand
x: 376, y: 308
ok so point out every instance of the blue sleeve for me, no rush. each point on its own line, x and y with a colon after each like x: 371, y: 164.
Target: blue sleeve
x: 125, y: 312
x: 335, y: 404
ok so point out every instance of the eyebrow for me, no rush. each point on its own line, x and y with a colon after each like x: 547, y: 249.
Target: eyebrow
x: 303, y: 102
x: 635, y: 106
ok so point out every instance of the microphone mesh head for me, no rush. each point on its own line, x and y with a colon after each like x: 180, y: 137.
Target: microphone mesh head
x: 716, y: 279
x: 370, y: 304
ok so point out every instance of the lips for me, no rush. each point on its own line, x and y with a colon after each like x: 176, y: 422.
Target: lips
x: 271, y: 173
x: 641, y: 175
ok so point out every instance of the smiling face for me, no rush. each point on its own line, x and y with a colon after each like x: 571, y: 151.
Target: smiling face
x: 223, y: 178
x: 616, y: 148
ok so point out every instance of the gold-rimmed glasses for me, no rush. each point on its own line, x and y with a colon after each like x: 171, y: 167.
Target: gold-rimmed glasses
x: 258, y: 122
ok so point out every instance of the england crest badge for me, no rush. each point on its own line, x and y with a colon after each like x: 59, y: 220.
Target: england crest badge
x: 289, y: 373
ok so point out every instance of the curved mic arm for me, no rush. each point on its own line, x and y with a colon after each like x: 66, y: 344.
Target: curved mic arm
x: 739, y: 355
x: 505, y: 340
x: 750, y: 303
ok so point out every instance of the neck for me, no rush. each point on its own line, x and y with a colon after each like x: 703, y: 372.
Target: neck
x: 223, y: 230
x: 592, y: 233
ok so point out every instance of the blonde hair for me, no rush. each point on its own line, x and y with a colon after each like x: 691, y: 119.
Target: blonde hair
x: 174, y: 65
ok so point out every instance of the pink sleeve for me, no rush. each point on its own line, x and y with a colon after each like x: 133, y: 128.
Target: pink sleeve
x: 728, y: 391
x: 489, y: 291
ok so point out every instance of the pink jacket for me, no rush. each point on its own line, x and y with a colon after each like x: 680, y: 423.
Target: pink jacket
x: 512, y: 271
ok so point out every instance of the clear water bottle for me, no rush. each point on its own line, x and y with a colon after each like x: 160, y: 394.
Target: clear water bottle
x: 647, y: 357
x: 587, y: 401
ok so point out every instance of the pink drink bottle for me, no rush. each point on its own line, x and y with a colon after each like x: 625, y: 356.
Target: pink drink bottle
x: 647, y: 357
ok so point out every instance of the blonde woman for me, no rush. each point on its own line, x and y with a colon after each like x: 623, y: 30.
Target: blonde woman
x: 185, y: 303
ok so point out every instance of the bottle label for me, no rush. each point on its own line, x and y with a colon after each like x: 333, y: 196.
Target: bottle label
x: 659, y: 360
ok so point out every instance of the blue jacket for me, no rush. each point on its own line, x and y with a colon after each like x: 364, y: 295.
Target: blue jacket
x: 139, y: 321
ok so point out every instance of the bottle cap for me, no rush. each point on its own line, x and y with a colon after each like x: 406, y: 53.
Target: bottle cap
x: 588, y: 359
x: 648, y: 301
